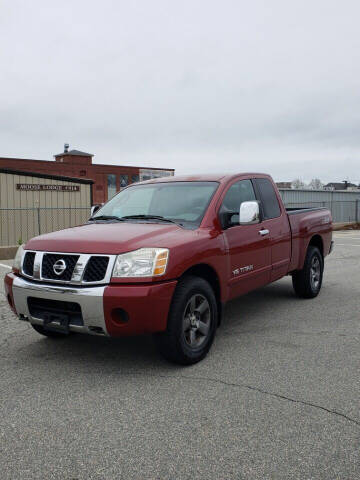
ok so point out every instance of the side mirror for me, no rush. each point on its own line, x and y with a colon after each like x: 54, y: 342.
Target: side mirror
x: 94, y: 209
x: 227, y: 219
x: 249, y: 213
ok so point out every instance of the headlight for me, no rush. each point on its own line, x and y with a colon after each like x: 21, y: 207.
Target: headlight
x: 17, y: 260
x: 145, y: 262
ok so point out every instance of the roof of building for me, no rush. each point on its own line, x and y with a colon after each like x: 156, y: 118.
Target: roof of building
x: 101, y: 165
x: 45, y: 175
x: 340, y: 185
x: 284, y: 184
x: 75, y: 152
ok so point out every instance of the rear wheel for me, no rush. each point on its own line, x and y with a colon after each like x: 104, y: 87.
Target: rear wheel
x: 192, y: 322
x: 307, y: 282
x: 48, y: 333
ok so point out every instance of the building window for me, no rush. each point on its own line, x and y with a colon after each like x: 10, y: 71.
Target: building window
x: 111, y: 184
x: 134, y: 178
x: 124, y: 181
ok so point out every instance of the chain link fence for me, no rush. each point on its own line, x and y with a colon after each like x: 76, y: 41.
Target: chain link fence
x: 17, y: 225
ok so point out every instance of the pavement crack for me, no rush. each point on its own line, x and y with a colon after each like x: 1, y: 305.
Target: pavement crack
x: 272, y: 394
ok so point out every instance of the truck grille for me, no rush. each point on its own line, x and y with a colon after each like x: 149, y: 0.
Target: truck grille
x: 71, y: 268
x: 28, y: 266
x: 95, y: 269
x: 49, y: 260
x: 41, y: 307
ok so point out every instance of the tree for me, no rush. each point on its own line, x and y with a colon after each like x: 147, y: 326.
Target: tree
x: 316, y: 184
x: 297, y: 184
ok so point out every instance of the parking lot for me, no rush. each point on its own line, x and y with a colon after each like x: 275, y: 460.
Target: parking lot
x: 278, y: 396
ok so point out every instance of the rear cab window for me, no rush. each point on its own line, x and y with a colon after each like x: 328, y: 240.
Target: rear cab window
x: 269, y: 201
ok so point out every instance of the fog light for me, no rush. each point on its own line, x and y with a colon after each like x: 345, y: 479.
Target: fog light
x: 119, y: 315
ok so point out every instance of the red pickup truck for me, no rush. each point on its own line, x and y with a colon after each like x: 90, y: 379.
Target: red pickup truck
x: 164, y: 256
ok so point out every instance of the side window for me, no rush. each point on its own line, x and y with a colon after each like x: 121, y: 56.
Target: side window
x: 239, y: 192
x: 269, y: 201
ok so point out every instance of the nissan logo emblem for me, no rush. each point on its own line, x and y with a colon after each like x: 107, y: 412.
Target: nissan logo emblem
x: 59, y: 267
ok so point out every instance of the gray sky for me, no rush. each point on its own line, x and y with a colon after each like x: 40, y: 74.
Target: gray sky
x: 196, y: 85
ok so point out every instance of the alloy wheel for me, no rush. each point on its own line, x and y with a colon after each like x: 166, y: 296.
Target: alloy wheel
x: 196, y: 320
x: 315, y: 272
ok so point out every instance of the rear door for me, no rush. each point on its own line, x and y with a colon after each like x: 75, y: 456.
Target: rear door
x: 275, y: 221
x: 248, y: 251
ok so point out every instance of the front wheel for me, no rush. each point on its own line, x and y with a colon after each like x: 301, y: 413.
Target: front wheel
x: 192, y: 322
x: 307, y: 282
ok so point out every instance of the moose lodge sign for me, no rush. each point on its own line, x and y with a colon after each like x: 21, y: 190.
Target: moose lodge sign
x: 38, y: 187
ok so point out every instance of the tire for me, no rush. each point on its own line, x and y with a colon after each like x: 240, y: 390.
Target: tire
x: 48, y: 333
x: 192, y: 322
x: 307, y: 282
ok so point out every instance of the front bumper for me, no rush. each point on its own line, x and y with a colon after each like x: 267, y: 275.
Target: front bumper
x: 114, y: 310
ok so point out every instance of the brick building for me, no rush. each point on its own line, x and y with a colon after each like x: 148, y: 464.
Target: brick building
x: 108, y: 179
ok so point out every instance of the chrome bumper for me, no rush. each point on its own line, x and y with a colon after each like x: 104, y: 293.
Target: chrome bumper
x: 90, y: 300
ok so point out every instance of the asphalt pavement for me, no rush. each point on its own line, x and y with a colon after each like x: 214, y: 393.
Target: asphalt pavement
x: 278, y: 396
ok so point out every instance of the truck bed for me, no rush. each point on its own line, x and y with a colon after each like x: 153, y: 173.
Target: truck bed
x: 296, y: 210
x: 306, y: 223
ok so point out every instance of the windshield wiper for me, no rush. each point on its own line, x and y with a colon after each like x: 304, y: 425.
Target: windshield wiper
x: 151, y: 217
x: 106, y: 217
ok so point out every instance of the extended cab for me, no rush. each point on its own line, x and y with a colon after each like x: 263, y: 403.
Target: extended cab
x: 164, y: 256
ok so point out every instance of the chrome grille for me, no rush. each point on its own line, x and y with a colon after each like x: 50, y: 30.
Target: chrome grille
x: 76, y: 268
x: 28, y: 265
x: 95, y: 269
x: 48, y: 262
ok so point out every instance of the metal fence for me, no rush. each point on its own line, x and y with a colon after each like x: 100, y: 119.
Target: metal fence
x: 17, y: 225
x: 344, y: 206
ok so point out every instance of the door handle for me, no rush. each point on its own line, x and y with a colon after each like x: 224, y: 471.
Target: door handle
x: 264, y: 232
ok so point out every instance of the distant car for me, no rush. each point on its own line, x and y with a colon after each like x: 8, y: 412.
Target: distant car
x: 164, y: 256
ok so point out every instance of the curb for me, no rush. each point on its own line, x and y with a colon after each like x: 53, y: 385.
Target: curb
x: 8, y: 252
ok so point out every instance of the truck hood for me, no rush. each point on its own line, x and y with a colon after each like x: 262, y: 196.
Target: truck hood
x: 111, y: 238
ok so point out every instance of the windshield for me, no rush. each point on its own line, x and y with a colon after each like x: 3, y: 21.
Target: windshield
x: 182, y: 202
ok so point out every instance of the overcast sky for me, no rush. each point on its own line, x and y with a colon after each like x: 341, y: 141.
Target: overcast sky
x: 195, y: 85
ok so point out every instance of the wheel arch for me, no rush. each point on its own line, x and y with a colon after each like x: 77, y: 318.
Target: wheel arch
x: 317, y: 241
x: 314, y: 241
x: 208, y: 273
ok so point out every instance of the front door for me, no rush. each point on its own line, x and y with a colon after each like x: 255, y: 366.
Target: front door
x: 249, y: 253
